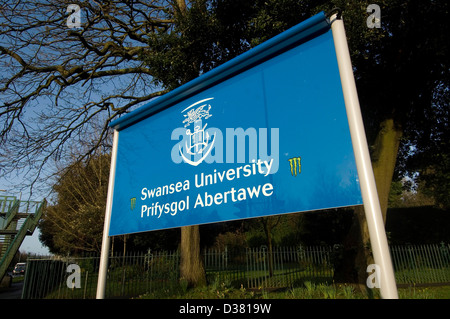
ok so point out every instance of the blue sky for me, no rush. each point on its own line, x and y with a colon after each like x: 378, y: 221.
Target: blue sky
x: 31, y: 244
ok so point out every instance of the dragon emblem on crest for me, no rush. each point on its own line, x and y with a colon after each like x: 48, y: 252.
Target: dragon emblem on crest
x: 199, y: 142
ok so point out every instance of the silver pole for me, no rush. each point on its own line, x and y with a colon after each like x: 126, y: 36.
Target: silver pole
x: 378, y: 239
x: 103, y: 268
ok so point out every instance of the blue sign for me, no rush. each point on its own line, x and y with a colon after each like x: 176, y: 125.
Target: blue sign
x: 264, y: 134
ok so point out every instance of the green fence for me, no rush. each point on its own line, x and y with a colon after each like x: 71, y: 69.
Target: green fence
x: 255, y: 268
x: 136, y: 274
x: 421, y: 264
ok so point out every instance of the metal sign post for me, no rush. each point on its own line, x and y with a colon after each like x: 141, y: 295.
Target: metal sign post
x: 103, y: 267
x: 372, y: 207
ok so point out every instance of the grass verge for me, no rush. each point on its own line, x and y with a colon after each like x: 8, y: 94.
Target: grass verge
x: 308, y: 291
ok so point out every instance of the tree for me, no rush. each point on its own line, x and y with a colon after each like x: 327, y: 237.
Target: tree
x: 204, y: 35
x: 175, y: 59
x: 427, y: 154
x: 402, y: 76
x: 269, y: 223
x: 74, y: 223
x: 57, y: 81
x: 98, y: 65
x: 399, y: 70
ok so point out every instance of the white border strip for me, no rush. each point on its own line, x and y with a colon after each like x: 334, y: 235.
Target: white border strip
x: 197, y: 103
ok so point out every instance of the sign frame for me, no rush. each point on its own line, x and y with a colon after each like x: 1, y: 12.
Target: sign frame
x: 301, y: 33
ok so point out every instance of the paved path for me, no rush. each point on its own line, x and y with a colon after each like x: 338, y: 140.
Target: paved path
x: 15, y: 292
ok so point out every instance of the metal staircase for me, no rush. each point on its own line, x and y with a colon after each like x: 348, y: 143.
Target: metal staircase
x: 17, y: 220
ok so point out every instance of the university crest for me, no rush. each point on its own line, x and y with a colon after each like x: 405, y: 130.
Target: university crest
x: 198, y: 143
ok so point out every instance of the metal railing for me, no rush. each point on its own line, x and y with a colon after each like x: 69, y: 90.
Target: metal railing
x: 252, y: 268
x: 421, y: 264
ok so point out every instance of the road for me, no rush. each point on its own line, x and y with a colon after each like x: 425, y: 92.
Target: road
x: 15, y: 292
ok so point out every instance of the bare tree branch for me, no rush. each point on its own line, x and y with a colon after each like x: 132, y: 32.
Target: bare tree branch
x: 57, y: 81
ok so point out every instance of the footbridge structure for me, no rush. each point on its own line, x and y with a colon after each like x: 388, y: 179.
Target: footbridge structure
x: 18, y: 219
